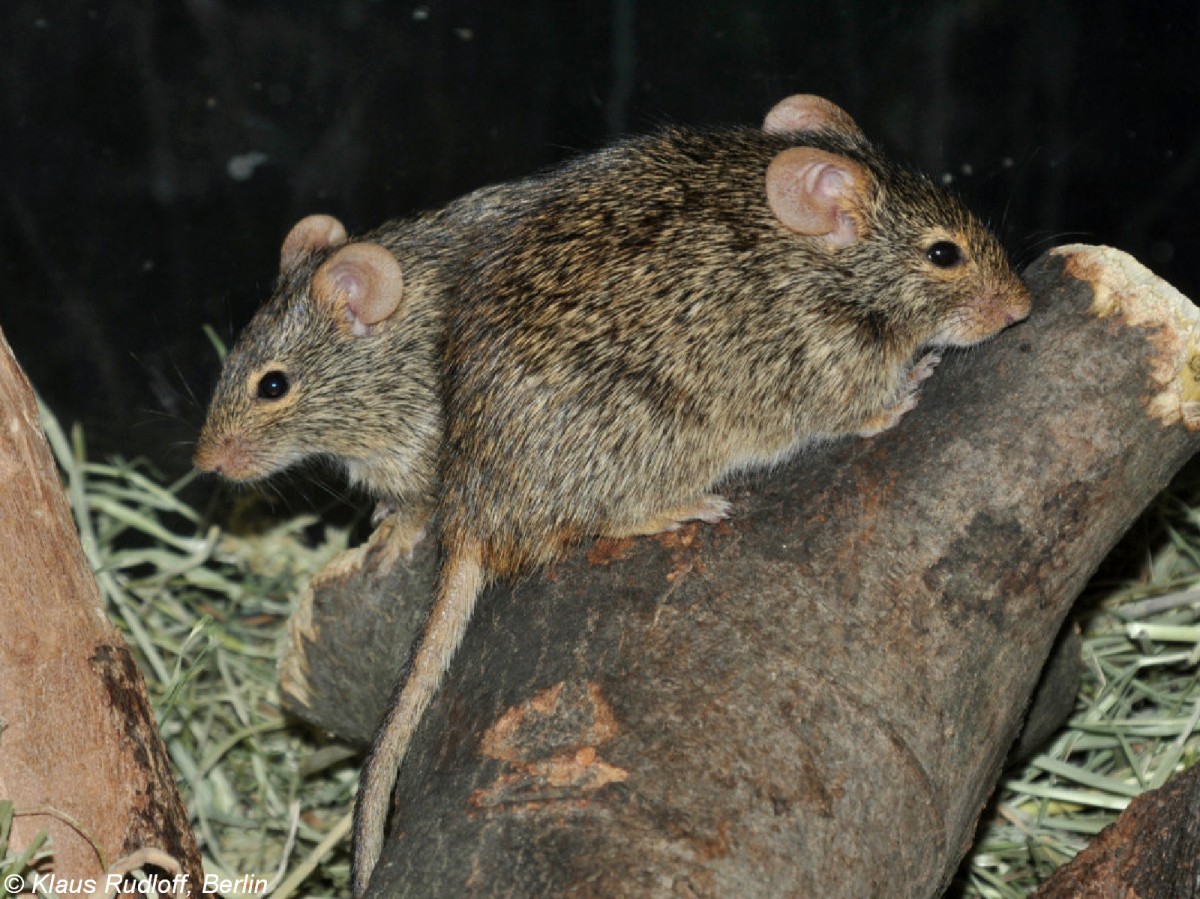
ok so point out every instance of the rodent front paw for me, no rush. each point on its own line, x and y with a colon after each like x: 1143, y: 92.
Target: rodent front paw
x: 401, y: 530
x: 923, y: 369
x: 382, y: 510
x: 907, y: 400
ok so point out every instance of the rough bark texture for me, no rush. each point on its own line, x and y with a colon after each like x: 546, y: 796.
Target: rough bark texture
x: 78, y: 742
x: 1151, y: 852
x: 814, y: 698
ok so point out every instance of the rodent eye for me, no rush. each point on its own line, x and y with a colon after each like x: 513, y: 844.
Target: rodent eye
x: 272, y: 385
x: 944, y: 254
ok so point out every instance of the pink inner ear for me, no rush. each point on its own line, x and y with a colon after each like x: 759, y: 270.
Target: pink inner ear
x: 818, y: 194
x: 351, y: 282
x: 363, y: 279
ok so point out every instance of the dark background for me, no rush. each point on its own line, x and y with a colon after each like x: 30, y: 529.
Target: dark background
x: 155, y: 153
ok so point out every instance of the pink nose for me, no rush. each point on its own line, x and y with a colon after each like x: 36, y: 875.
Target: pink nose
x: 1011, y: 317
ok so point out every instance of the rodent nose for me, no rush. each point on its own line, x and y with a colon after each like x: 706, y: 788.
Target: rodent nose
x: 219, y: 456
x: 204, y: 461
x: 1016, y: 315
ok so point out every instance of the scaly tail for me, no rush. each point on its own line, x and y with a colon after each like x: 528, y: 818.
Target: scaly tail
x: 459, y: 584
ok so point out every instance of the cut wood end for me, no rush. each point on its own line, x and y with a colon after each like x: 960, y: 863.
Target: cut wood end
x: 1123, y: 286
x: 377, y: 554
x: 294, y: 680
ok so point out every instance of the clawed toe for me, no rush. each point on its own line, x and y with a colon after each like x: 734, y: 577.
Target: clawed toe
x: 712, y: 509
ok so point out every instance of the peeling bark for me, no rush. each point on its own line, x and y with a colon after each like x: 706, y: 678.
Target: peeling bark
x: 81, y: 756
x: 814, y: 698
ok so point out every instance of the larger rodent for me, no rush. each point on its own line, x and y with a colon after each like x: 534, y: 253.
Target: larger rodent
x: 665, y: 312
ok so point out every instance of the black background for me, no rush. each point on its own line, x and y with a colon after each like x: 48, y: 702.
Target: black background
x: 155, y: 152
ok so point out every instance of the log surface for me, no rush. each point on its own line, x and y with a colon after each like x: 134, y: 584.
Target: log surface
x: 814, y: 698
x: 81, y: 752
x: 1152, y: 851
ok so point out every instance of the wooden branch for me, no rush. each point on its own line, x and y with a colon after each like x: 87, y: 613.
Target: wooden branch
x: 1152, y: 849
x: 814, y: 698
x: 367, y: 599
x: 80, y: 755
x: 1053, y: 700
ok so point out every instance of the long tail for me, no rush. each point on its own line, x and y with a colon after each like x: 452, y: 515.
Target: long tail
x: 459, y: 584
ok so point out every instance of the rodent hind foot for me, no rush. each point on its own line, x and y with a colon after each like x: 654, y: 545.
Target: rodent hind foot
x: 708, y: 507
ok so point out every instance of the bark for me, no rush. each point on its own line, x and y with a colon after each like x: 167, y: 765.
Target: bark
x: 1152, y: 851
x: 81, y: 756
x: 1053, y: 700
x: 812, y: 699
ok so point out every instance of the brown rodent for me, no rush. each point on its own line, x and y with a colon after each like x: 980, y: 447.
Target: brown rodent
x: 663, y: 313
x: 342, y: 360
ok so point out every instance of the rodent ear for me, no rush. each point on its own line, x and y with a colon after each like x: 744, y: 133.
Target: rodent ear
x: 808, y: 112
x: 313, y: 232
x: 819, y: 194
x: 364, y: 281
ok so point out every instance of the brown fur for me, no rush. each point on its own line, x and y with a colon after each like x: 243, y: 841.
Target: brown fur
x: 649, y: 326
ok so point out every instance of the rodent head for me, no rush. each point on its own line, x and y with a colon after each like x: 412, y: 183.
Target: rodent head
x: 938, y: 275
x: 338, y: 362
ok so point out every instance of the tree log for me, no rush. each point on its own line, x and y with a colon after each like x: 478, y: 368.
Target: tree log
x: 814, y: 698
x: 81, y: 755
x: 1152, y: 851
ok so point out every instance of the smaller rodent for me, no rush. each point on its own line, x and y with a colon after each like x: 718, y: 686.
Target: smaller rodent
x: 342, y: 361
x: 663, y: 313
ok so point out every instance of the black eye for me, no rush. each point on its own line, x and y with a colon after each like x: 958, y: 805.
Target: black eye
x: 944, y: 254
x: 272, y: 385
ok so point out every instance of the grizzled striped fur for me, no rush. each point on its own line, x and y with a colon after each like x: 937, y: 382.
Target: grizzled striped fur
x: 649, y: 325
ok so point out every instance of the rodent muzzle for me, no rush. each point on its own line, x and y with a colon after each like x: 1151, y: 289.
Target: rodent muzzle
x: 231, y: 456
x: 984, y: 317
